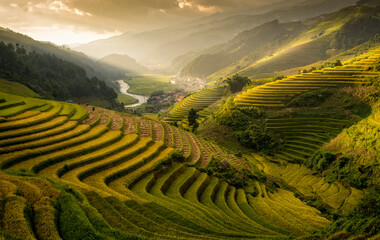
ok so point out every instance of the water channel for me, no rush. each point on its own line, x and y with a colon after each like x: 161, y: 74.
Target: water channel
x: 124, y: 90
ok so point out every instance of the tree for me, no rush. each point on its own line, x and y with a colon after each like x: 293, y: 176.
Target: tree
x: 195, y: 126
x: 193, y: 116
x: 337, y: 63
x: 236, y: 83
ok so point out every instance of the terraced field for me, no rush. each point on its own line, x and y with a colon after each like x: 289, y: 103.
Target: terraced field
x: 117, y: 161
x: 335, y: 195
x: 278, y: 93
x: 199, y: 101
x: 304, y: 136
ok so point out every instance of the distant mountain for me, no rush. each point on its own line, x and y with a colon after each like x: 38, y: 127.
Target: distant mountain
x: 93, y: 69
x: 124, y: 62
x: 343, y: 30
x: 324, y: 37
x: 161, y: 46
x: 222, y: 55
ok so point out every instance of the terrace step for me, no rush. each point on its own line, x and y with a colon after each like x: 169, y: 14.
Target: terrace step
x: 304, y: 144
x: 299, y: 148
x: 61, y: 168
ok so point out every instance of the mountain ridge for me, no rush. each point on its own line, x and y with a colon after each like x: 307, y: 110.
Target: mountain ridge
x: 162, y: 45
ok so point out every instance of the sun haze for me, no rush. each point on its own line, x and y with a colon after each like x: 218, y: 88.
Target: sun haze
x: 81, y: 21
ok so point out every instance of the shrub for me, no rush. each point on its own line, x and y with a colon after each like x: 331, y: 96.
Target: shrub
x: 311, y: 99
x: 228, y: 173
x: 238, y: 118
x: 337, y: 63
x: 320, y: 161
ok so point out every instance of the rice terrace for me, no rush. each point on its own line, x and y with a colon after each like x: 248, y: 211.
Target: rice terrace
x: 260, y: 120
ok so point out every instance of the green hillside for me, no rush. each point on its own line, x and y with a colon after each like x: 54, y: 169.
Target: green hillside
x: 338, y: 32
x: 221, y: 56
x: 51, y: 78
x: 16, y: 88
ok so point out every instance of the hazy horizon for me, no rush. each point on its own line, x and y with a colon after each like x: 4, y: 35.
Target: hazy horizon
x: 81, y: 21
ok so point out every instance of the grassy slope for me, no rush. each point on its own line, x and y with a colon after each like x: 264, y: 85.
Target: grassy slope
x: 16, y: 88
x: 360, y: 142
x: 316, y: 42
x: 223, y: 55
x: 345, y: 56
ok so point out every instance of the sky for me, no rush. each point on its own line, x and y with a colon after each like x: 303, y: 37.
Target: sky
x: 82, y: 21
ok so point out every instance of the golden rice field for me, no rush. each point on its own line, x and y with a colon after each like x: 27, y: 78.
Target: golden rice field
x: 72, y: 171
x: 198, y: 101
x: 276, y: 94
x: 105, y: 170
x: 335, y: 195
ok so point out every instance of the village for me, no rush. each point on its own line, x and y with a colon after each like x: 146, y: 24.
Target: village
x: 189, y: 84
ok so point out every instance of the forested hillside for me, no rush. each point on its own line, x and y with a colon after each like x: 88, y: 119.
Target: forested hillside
x: 53, y: 78
x: 92, y: 68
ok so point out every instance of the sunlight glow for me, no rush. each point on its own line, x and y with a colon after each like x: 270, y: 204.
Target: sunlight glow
x: 65, y: 35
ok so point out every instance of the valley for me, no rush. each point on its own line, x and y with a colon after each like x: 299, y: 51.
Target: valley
x: 194, y: 120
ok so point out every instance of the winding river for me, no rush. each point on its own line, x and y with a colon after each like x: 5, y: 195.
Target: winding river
x: 124, y: 90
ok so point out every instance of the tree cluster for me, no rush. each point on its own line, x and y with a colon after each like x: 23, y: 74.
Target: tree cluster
x: 248, y: 123
x: 236, y: 83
